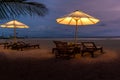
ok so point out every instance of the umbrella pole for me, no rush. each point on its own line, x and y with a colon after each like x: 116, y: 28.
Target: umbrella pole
x: 15, y: 40
x: 15, y: 35
x: 76, y: 30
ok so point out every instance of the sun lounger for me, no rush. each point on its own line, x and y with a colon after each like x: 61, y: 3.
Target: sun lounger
x: 20, y: 45
x: 7, y: 45
x: 28, y: 45
x: 62, y: 50
x: 91, y: 48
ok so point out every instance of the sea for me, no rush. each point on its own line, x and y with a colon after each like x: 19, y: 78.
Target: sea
x: 49, y: 41
x: 90, y: 38
x: 71, y: 39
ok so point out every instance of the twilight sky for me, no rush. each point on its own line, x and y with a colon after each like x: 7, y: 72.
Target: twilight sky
x: 108, y: 11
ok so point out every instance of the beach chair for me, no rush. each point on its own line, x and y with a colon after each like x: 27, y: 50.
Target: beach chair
x: 7, y: 45
x: 91, y: 48
x: 29, y: 45
x: 17, y: 46
x: 62, y: 50
x: 20, y: 45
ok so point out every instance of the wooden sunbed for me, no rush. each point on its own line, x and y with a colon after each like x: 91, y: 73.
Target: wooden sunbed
x: 20, y: 45
x: 62, y: 50
x: 91, y: 48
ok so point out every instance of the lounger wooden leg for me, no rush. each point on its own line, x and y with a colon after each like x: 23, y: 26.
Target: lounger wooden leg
x: 38, y: 46
x: 101, y: 50
x: 82, y: 52
x: 53, y: 50
x: 21, y: 49
x: 92, y: 54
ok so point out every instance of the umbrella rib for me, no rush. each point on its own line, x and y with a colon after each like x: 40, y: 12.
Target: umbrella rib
x: 81, y: 21
x: 70, y: 21
x: 61, y: 20
x: 91, y: 21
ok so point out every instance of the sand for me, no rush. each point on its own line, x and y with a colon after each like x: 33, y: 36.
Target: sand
x: 41, y: 64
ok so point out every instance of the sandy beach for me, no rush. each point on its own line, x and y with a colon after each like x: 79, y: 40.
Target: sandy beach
x: 41, y: 64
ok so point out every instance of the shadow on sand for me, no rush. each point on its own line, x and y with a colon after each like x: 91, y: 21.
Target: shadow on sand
x: 50, y: 69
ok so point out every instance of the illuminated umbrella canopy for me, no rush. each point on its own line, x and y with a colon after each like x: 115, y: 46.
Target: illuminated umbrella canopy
x: 14, y: 24
x: 77, y: 18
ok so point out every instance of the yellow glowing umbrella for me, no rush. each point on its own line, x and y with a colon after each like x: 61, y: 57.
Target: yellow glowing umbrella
x: 14, y: 24
x: 77, y: 18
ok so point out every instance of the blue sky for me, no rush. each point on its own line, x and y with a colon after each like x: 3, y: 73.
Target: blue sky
x: 108, y: 11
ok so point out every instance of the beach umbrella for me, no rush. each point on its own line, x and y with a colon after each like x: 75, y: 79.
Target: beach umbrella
x: 14, y: 24
x: 77, y: 18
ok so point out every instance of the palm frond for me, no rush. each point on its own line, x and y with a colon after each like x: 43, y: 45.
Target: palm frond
x: 13, y: 8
